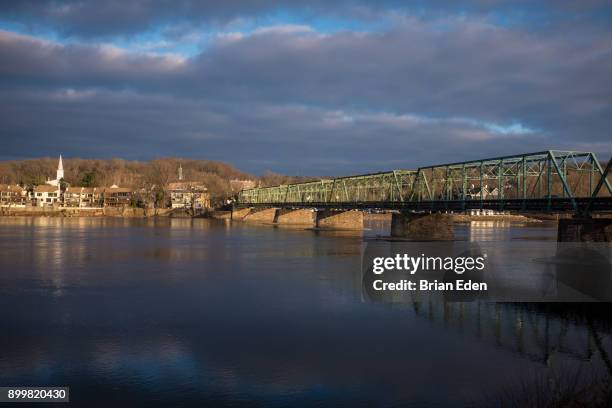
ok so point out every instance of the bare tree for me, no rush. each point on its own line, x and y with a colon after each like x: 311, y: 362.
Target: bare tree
x: 149, y: 179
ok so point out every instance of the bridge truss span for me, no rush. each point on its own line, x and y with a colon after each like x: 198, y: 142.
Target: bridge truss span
x: 543, y: 181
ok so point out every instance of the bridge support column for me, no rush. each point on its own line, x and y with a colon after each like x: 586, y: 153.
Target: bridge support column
x: 295, y: 217
x: 585, y: 230
x: 238, y: 214
x: 332, y: 219
x: 425, y: 227
x: 266, y: 215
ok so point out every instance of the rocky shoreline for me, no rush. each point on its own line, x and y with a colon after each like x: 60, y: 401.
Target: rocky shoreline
x: 133, y: 212
x: 124, y: 212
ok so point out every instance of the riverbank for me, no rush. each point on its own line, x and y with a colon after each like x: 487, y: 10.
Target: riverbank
x: 132, y: 212
x: 125, y: 212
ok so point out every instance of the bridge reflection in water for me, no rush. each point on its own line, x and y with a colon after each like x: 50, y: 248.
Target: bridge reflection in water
x: 543, y: 332
x: 538, y: 332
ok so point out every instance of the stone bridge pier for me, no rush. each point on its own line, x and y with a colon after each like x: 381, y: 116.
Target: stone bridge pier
x: 287, y: 216
x: 264, y: 215
x: 339, y: 219
x: 422, y: 226
x: 238, y: 214
x: 585, y: 230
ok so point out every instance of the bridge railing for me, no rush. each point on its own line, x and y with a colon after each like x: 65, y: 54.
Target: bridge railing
x: 386, y: 186
x: 549, y: 175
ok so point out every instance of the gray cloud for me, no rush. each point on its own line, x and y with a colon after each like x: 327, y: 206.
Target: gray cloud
x: 293, y: 139
x: 28, y: 60
x: 293, y: 100
x: 90, y: 18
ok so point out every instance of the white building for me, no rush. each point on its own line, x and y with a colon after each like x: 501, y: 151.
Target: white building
x: 186, y: 194
x: 12, y: 196
x: 46, y: 195
x: 476, y: 193
x: 84, y: 197
x: 58, y: 175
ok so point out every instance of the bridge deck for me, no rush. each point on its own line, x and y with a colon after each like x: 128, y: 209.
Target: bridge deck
x: 549, y: 181
x: 600, y: 204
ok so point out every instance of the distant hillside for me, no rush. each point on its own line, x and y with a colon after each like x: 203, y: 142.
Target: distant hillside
x: 134, y: 174
x: 273, y: 179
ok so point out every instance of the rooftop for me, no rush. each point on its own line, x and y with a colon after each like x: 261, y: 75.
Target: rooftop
x: 186, y: 185
x: 10, y: 187
x: 114, y: 189
x: 83, y: 190
x: 45, y: 188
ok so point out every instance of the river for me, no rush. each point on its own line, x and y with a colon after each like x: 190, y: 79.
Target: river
x: 197, y: 312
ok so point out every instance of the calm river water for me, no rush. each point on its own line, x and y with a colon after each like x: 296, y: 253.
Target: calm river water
x: 176, y: 312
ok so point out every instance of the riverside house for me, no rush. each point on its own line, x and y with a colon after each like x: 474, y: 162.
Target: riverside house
x: 83, y: 197
x: 476, y: 193
x: 188, y: 194
x: 46, y: 195
x: 185, y: 194
x: 115, y: 196
x: 12, y: 195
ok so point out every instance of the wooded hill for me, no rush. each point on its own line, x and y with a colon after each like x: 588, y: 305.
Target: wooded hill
x: 214, y: 175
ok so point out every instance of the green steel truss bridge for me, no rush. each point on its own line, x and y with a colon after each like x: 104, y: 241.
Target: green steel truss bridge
x: 547, y: 181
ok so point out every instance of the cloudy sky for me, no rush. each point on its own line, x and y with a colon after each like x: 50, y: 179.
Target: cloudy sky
x: 305, y: 87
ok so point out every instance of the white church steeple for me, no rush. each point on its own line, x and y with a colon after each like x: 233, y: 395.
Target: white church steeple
x: 60, y: 169
x: 58, y: 175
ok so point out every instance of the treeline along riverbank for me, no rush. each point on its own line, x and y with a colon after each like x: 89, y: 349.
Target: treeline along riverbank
x: 217, y: 176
